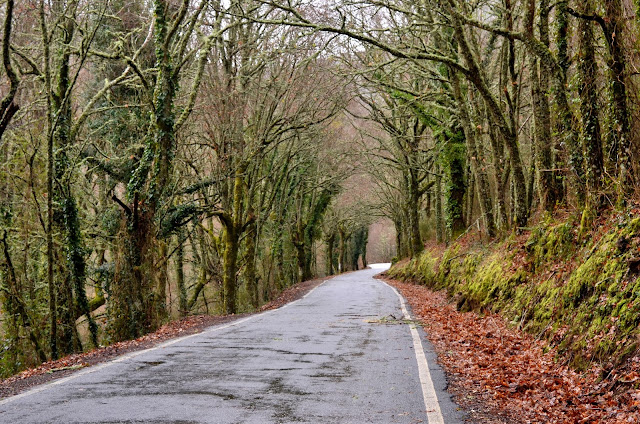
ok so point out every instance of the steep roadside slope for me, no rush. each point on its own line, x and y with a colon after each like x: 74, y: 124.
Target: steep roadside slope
x: 568, y: 290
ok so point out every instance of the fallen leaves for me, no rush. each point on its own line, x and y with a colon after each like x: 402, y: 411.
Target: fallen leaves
x: 502, y: 375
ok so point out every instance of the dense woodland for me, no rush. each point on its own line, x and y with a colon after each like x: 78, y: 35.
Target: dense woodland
x: 161, y: 158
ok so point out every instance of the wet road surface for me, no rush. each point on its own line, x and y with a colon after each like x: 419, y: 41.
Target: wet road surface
x: 343, y: 354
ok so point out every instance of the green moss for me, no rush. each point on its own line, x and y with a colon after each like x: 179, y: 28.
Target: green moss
x: 581, y: 296
x: 426, y: 265
x: 485, y: 285
x: 586, y: 221
x: 551, y: 242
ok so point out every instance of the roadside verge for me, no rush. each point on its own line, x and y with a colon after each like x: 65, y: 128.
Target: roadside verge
x: 500, y: 375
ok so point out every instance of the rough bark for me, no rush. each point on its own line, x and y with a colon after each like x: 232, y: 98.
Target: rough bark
x: 416, y: 245
x: 484, y: 195
x: 508, y: 132
x: 589, y: 108
x: 439, y: 215
x: 566, y: 128
x: 147, y: 184
x: 250, y: 271
x: 620, y: 141
x: 182, y: 289
x: 542, y: 114
x: 499, y: 163
x: 53, y: 319
x: 229, y: 269
x: 330, y: 242
x: 15, y: 302
x: 456, y: 189
x: 7, y: 106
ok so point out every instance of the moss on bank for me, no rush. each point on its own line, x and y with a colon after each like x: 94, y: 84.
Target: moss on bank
x: 577, y: 288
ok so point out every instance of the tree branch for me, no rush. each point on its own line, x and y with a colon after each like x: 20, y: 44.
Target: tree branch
x: 126, y: 208
x: 7, y: 107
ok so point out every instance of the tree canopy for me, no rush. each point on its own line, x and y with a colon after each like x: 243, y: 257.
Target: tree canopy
x: 164, y: 158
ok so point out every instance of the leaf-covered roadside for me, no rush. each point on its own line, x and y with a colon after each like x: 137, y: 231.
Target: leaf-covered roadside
x: 501, y: 375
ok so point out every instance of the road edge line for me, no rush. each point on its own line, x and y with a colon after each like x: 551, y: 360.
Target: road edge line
x: 434, y: 413
x: 131, y: 355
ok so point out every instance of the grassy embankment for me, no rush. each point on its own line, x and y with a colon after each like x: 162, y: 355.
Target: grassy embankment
x: 574, y: 284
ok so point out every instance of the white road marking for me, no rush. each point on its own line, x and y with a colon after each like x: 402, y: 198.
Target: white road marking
x: 434, y: 414
x: 123, y: 358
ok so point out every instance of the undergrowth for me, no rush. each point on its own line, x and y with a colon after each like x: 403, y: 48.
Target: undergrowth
x: 576, y: 287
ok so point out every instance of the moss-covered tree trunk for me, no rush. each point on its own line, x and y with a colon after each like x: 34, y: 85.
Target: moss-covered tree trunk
x: 250, y: 273
x: 230, y: 268
x: 278, y: 256
x: 471, y: 194
x: 415, y: 240
x: 619, y: 140
x: 312, y: 208
x: 8, y: 108
x: 70, y: 299
x: 342, y: 254
x: 330, y: 242
x: 589, y: 107
x: 15, y: 306
x: 131, y: 302
x: 363, y: 252
x: 303, y: 245
x: 482, y: 181
x: 51, y: 288
x: 308, y: 257
x: 359, y: 247
x: 520, y: 207
x: 439, y: 216
x: 455, y: 155
x: 232, y: 222
x: 504, y: 124
x: 542, y: 114
x: 509, y: 128
x: 64, y: 204
x: 133, y: 307
x: 566, y: 128
x: 402, y: 250
x: 301, y: 256
x: 501, y: 173
x: 180, y: 283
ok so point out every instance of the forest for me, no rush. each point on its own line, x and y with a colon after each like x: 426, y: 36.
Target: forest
x: 161, y: 158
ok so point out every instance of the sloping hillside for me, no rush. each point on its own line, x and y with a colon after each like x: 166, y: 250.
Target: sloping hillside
x: 574, y: 285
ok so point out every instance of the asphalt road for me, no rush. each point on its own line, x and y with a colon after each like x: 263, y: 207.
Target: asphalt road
x: 343, y: 354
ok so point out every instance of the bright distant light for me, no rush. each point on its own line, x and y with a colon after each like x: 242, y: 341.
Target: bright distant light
x: 380, y: 266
